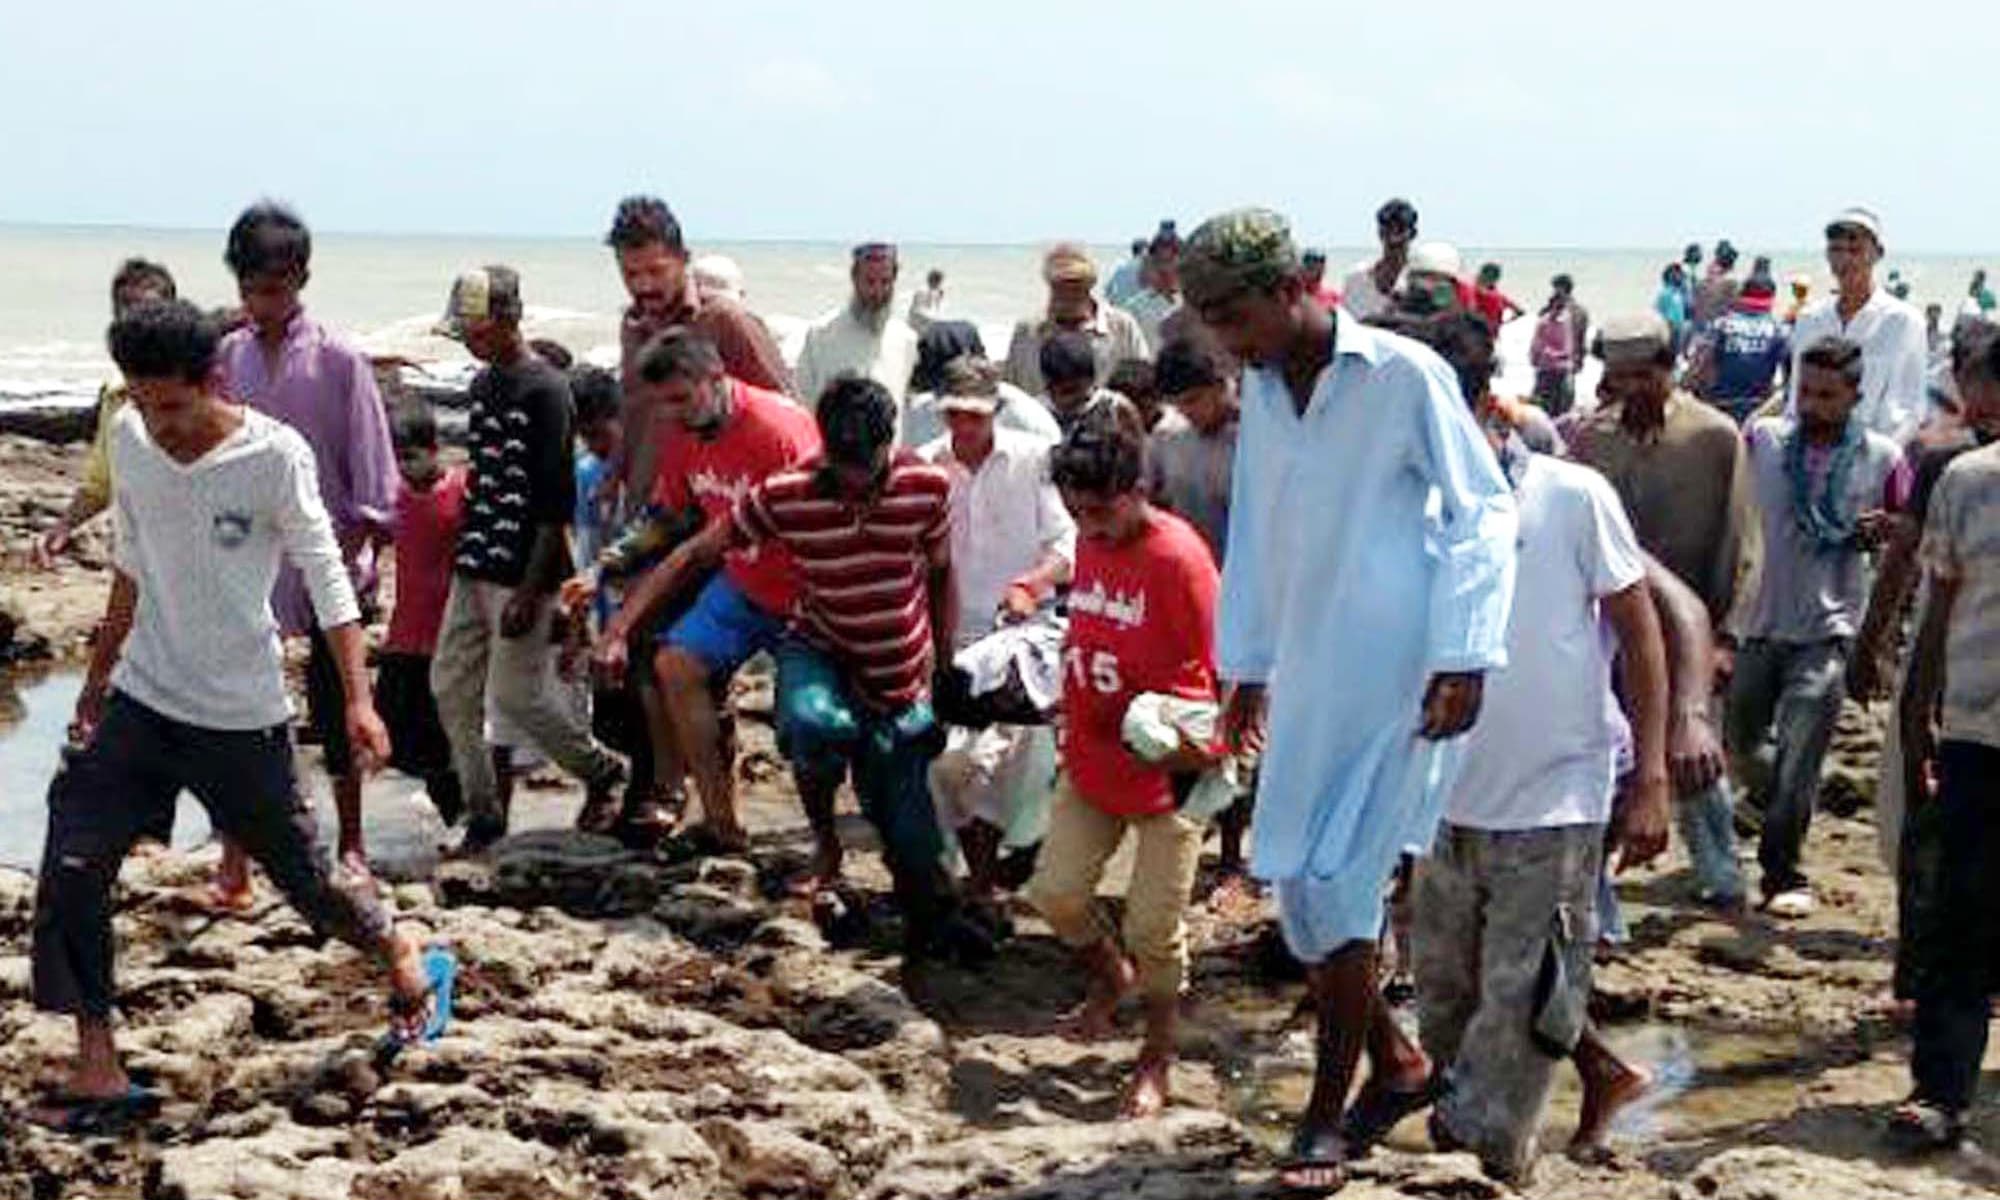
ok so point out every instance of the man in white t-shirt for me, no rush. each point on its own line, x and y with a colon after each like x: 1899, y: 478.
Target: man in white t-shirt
x: 186, y: 691
x: 1505, y: 915
x: 1891, y: 331
x: 1370, y: 288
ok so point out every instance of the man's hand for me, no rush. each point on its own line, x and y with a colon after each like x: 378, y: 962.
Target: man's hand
x: 1244, y: 710
x: 1875, y: 528
x: 1639, y: 826
x: 1919, y: 751
x: 1694, y: 753
x: 611, y: 657
x: 1017, y: 604
x: 524, y: 609
x: 89, y: 715
x: 52, y: 545
x: 1451, y: 703
x: 368, y: 736
x: 1725, y: 664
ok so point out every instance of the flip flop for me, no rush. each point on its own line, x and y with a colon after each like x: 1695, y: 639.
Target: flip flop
x: 1376, y: 1111
x: 97, y: 1116
x: 441, y: 972
x: 1309, y: 1156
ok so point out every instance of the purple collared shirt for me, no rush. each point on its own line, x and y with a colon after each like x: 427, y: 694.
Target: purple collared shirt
x: 325, y: 389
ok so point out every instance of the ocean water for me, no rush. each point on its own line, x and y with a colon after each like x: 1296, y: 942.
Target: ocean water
x: 386, y: 291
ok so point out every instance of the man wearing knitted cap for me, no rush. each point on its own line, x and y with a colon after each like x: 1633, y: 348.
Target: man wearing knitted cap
x: 1114, y: 334
x: 1890, y: 331
x: 1370, y: 568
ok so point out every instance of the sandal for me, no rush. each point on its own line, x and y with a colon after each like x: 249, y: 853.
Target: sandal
x: 1377, y: 1110
x: 1925, y: 1127
x: 97, y: 1116
x: 441, y: 975
x: 1315, y: 1167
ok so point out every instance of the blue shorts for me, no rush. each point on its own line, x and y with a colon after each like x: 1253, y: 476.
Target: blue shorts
x: 724, y: 628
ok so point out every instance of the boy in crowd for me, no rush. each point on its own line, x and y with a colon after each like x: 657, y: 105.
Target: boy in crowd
x: 429, y: 510
x: 513, y: 554
x: 1825, y: 486
x: 186, y: 690
x: 1142, y: 620
x: 291, y: 368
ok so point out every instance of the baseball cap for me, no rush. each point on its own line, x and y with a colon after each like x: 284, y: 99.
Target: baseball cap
x: 1859, y: 218
x: 481, y: 294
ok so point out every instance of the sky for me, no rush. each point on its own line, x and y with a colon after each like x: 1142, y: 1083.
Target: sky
x: 1550, y: 123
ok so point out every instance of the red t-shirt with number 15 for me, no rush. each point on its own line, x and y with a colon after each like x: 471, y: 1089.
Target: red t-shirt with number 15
x: 1141, y: 619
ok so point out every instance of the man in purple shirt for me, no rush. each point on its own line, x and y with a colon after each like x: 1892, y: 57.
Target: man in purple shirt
x: 288, y: 366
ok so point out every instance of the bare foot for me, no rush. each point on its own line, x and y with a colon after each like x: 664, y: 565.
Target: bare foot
x: 1097, y: 1019
x: 1601, y: 1106
x: 1150, y: 1089
x: 354, y: 862
x: 1237, y: 896
x: 221, y: 899
x: 409, y: 984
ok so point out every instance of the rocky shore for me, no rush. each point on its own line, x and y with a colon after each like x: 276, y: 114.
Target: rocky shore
x: 628, y: 1028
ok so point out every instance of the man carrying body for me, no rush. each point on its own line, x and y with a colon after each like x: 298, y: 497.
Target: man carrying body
x: 1012, y: 545
x: 1370, y: 289
x: 186, y: 690
x: 865, y: 336
x: 1373, y: 633
x: 723, y: 437
x: 1889, y: 331
x: 869, y: 529
x: 1114, y: 334
x: 513, y: 554
x: 1824, y: 487
x: 1679, y: 468
x: 289, y: 367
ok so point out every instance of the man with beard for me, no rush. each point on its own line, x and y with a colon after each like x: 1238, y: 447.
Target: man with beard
x: 862, y: 337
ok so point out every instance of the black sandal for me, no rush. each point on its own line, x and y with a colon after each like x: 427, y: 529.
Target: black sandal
x: 98, y: 1116
x: 1377, y: 1110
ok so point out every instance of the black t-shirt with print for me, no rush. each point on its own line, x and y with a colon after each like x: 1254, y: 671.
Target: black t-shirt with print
x: 522, y: 472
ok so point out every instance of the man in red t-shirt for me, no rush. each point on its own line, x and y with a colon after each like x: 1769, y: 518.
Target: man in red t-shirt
x: 1142, y: 621
x: 718, y: 437
x: 1490, y: 302
x: 868, y: 529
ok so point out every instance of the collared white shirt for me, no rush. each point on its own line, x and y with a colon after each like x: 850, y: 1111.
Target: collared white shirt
x: 840, y: 342
x: 1893, y: 352
x: 1005, y: 516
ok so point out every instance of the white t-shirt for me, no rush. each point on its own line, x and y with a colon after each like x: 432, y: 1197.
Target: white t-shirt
x: 1360, y: 296
x: 1893, y: 352
x: 203, y: 541
x: 1544, y: 750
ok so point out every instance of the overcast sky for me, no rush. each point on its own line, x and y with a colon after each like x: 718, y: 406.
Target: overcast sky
x: 1555, y: 123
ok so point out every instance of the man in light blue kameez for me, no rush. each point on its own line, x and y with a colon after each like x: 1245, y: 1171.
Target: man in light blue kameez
x: 1372, y: 542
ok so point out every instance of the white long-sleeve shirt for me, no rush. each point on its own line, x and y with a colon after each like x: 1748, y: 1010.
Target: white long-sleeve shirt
x: 203, y: 542
x: 1893, y: 353
x: 842, y: 342
x: 1005, y: 516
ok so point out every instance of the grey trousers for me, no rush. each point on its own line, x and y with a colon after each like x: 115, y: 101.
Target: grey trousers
x: 1783, y: 705
x: 1505, y: 925
x: 473, y: 659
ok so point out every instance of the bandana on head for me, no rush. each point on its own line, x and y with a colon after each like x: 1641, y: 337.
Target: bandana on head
x: 1247, y: 250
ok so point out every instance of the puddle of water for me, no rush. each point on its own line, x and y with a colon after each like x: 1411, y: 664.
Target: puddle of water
x: 34, y: 724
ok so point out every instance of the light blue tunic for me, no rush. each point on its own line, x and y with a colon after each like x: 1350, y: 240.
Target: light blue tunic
x: 1371, y: 546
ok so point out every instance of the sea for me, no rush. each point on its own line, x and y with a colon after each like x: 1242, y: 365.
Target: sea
x: 386, y: 291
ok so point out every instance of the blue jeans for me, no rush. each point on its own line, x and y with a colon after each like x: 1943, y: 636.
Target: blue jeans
x: 1707, y: 822
x: 1783, y: 704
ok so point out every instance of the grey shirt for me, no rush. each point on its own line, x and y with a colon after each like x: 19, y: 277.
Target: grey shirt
x: 1809, y: 592
x: 1189, y: 472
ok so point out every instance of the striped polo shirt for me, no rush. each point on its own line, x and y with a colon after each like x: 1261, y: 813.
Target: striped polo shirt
x: 864, y: 565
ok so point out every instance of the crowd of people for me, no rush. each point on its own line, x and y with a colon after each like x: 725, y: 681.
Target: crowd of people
x: 1213, y: 548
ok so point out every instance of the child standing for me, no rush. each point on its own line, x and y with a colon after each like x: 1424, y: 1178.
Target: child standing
x: 428, y: 512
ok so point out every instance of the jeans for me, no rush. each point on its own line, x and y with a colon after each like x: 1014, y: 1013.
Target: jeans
x: 1707, y: 823
x: 1783, y: 704
x: 1963, y: 939
x: 107, y: 795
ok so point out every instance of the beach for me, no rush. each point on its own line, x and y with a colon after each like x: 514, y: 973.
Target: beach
x: 630, y: 1028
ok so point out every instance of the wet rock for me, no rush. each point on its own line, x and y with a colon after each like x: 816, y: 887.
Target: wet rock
x: 56, y: 424
x: 1779, y: 1172
x: 558, y: 867
x: 764, y: 1160
x: 1446, y: 1176
x: 17, y: 903
x: 19, y: 642
x: 1172, y: 1158
x: 471, y: 1164
x: 708, y: 915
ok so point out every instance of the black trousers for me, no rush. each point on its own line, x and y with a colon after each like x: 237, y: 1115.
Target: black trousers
x: 106, y: 796
x: 1959, y: 931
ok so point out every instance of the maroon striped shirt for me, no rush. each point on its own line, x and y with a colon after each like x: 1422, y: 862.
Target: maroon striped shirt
x: 865, y: 567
